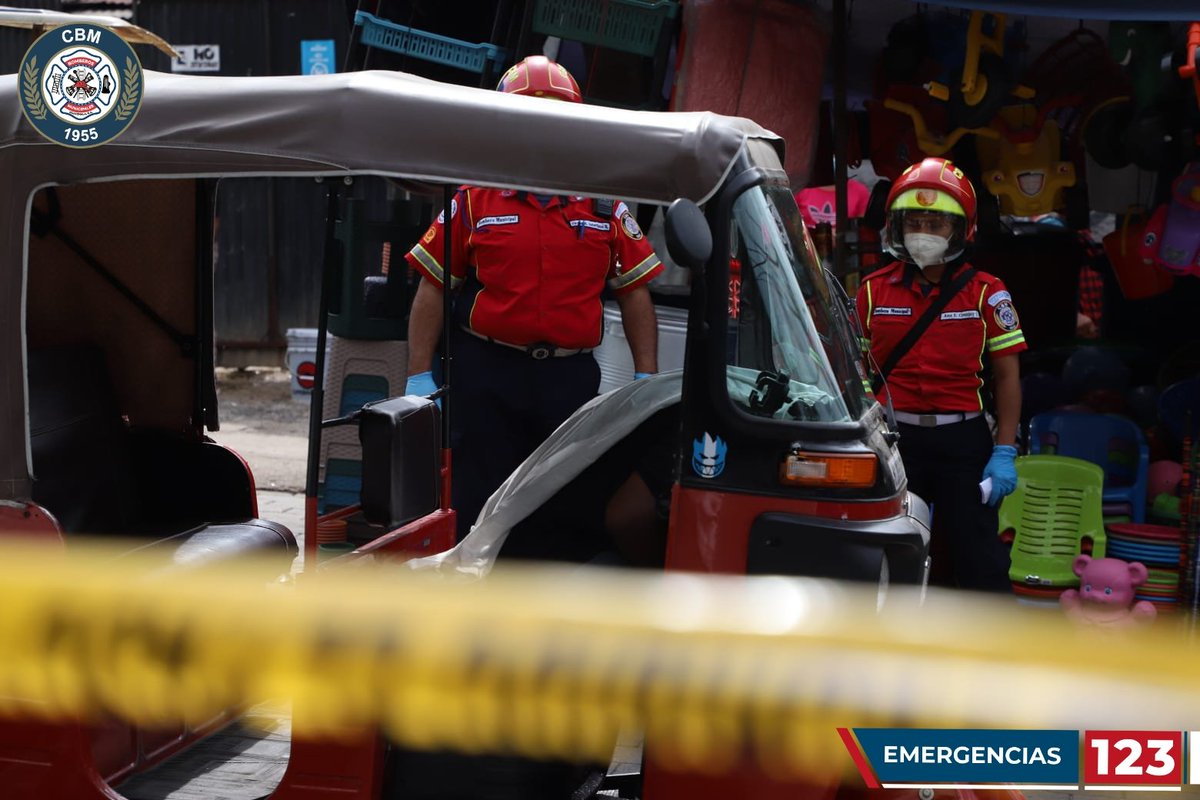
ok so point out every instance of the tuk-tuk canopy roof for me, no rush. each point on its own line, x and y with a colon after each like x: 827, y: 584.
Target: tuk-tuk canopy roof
x: 382, y: 123
x: 393, y: 124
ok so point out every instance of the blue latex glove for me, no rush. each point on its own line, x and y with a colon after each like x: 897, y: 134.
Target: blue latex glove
x: 637, y: 376
x: 1002, y: 469
x: 422, y: 384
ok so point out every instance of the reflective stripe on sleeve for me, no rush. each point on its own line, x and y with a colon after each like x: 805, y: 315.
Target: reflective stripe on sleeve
x: 433, y: 266
x: 634, y: 275
x: 1005, y: 340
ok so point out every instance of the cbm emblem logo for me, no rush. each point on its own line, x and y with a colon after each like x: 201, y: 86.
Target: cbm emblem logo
x: 708, y: 456
x: 80, y: 85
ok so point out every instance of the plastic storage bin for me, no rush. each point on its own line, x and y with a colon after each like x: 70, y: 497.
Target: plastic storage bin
x: 630, y: 25
x: 387, y: 35
x: 614, y: 358
x: 302, y: 360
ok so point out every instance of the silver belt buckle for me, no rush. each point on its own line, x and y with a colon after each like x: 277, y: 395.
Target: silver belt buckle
x: 927, y: 420
x: 540, y: 350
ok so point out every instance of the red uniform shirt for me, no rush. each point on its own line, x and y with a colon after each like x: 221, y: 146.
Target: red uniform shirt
x: 530, y: 273
x: 942, y: 370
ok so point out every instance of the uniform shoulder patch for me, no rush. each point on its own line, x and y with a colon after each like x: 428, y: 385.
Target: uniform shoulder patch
x: 453, y: 210
x: 1006, y: 315
x: 998, y: 298
x: 630, y: 226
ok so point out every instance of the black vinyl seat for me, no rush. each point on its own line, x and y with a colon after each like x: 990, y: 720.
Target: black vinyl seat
x: 98, y: 477
x: 219, y: 542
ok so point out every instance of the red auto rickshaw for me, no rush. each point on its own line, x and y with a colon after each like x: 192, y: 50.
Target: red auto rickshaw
x: 781, y: 461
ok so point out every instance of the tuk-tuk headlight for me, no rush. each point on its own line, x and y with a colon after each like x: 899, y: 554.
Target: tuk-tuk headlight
x: 851, y: 471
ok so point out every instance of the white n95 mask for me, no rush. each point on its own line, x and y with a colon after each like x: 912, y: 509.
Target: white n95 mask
x: 926, y: 249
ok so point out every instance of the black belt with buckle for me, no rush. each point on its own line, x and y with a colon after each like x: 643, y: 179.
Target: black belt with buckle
x: 538, y: 350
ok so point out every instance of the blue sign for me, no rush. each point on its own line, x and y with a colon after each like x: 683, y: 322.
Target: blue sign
x: 316, y: 57
x: 971, y: 756
x: 80, y: 85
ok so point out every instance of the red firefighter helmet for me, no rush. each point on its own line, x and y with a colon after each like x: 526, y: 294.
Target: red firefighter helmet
x: 933, y: 185
x: 538, y: 76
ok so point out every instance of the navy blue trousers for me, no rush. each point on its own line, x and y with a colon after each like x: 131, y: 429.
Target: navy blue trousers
x: 505, y: 403
x: 944, y: 466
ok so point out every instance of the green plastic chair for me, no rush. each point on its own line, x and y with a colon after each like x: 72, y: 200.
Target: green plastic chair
x: 1057, y: 506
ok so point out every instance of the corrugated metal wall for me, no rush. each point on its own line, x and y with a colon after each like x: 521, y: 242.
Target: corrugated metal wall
x: 242, y: 275
x: 300, y: 243
x: 269, y: 243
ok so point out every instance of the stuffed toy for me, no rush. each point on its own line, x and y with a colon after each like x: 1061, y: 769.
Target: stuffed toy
x: 1105, y: 597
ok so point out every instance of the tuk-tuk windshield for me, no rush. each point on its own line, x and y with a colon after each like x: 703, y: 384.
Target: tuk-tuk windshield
x: 790, y: 353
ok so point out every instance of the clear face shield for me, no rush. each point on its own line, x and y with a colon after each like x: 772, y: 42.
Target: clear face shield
x: 925, y: 238
x: 925, y: 228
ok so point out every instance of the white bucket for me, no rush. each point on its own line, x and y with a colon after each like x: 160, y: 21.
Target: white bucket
x: 614, y: 358
x: 302, y: 360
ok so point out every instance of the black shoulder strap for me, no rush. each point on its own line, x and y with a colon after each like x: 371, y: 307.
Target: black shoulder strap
x: 602, y: 207
x: 947, y: 293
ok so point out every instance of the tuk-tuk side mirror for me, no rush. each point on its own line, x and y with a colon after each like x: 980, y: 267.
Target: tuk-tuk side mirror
x: 689, y: 239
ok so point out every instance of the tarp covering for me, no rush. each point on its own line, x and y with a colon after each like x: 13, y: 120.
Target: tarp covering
x: 381, y: 123
x: 586, y: 435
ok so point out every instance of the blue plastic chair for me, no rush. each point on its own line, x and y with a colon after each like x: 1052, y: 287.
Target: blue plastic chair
x: 1112, y: 442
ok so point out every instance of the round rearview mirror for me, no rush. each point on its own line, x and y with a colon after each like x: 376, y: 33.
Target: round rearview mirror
x: 689, y: 239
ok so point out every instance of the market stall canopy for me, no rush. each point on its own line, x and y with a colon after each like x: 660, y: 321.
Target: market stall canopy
x: 1180, y: 10
x: 34, y: 19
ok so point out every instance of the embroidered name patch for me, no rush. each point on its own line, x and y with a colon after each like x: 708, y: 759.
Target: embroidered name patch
x: 972, y: 314
x: 1006, y: 316
x: 507, y: 219
x: 998, y: 298
x: 590, y: 223
x: 891, y: 311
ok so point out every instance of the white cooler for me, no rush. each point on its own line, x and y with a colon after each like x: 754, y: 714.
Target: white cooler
x: 614, y: 358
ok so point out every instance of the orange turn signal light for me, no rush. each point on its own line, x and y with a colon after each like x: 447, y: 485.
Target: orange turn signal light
x: 856, y: 471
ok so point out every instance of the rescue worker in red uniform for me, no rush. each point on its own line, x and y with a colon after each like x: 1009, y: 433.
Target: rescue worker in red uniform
x: 937, y: 387
x: 527, y: 273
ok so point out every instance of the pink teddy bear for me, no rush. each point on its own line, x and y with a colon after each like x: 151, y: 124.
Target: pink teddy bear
x: 1105, y: 597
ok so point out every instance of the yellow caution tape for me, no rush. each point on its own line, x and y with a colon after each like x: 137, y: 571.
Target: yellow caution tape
x: 555, y: 662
